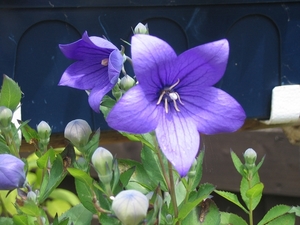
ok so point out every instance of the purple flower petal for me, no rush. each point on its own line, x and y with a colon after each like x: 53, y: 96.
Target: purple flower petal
x: 134, y: 113
x: 148, y: 53
x: 98, y: 93
x: 84, y: 75
x: 203, y: 65
x: 115, y: 64
x: 213, y: 110
x: 179, y: 140
x: 12, y: 173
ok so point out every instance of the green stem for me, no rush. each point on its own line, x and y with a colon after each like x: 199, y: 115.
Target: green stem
x: 172, y: 192
x: 250, y: 200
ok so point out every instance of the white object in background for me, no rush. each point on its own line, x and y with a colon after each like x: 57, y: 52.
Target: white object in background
x: 285, y: 108
x: 17, y: 116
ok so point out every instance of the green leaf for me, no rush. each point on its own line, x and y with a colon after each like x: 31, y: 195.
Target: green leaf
x: 81, y: 175
x: 152, y: 167
x: 78, y: 215
x: 4, y: 148
x: 30, y: 208
x: 274, y: 213
x: 52, y: 179
x: 28, y: 133
x: 147, y: 139
x: 230, y: 218
x: 255, y: 191
x: 196, y: 180
x: 125, y: 176
x: 62, y: 222
x: 43, y: 161
x: 288, y: 219
x: 10, y: 95
x: 20, y: 219
x: 232, y: 198
x: 237, y: 163
x: 246, y: 185
x: 6, y: 221
x: 139, y: 179
x: 85, y: 195
x: 259, y: 165
x: 206, y: 213
x: 106, y: 105
x: 195, y: 198
x: 92, y: 145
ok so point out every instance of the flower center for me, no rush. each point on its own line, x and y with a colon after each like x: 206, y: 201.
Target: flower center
x: 168, y: 94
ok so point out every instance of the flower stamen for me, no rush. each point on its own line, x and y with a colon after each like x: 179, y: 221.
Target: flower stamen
x: 169, y: 94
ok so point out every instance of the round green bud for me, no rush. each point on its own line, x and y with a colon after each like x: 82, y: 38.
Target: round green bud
x: 5, y: 117
x: 78, y: 132
x: 44, y: 130
x: 127, y: 82
x: 102, y: 161
x: 130, y: 207
x: 250, y: 158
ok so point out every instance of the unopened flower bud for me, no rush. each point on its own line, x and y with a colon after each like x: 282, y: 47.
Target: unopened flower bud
x: 102, y: 160
x: 250, y: 158
x: 5, y: 117
x: 12, y: 174
x: 127, y: 82
x: 78, y: 132
x: 141, y: 29
x: 169, y: 219
x: 31, y: 196
x: 44, y: 130
x: 130, y: 207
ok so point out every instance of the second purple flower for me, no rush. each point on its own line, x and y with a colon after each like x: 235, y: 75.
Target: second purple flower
x: 97, y: 67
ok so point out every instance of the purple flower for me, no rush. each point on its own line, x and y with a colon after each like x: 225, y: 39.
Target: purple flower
x: 12, y: 174
x: 175, y: 97
x: 97, y: 68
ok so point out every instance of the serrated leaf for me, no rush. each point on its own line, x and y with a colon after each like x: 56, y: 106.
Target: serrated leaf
x: 209, y: 213
x: 237, y: 163
x: 30, y: 208
x: 259, y: 165
x: 232, y: 198
x: 288, y: 219
x: 78, y: 215
x: 230, y: 218
x: 10, y: 95
x: 274, y: 213
x: 106, y: 105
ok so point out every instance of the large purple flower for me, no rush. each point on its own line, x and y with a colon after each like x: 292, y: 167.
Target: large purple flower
x: 12, y: 173
x: 175, y: 97
x: 97, y: 68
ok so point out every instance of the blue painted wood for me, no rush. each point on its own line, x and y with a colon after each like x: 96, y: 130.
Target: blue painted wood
x: 264, y: 39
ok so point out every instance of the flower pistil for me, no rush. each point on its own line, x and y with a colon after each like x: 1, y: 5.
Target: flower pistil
x: 169, y: 94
